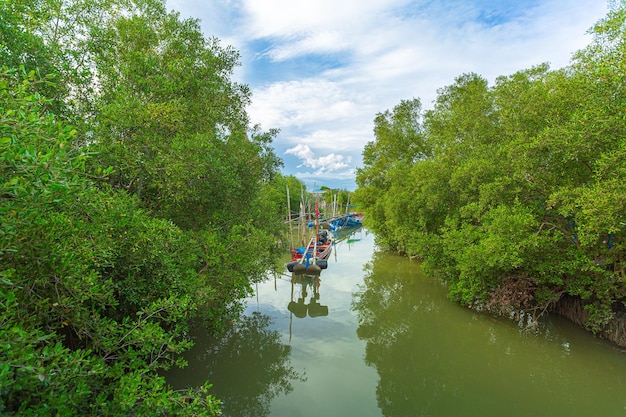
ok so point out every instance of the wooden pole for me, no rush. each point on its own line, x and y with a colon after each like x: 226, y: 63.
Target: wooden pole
x: 289, y: 218
x: 301, y: 240
x: 317, y: 230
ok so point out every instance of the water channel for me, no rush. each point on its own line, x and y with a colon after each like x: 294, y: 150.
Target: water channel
x: 375, y: 337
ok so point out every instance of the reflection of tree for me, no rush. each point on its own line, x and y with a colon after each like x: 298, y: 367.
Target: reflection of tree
x: 435, y: 358
x: 248, y: 367
x: 393, y: 321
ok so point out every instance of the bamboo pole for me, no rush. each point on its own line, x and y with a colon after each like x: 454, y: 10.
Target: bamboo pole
x: 316, y: 233
x: 289, y: 218
x: 302, y: 218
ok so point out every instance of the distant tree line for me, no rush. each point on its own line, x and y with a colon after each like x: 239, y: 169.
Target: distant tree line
x: 335, y: 199
x: 514, y: 193
x: 135, y: 198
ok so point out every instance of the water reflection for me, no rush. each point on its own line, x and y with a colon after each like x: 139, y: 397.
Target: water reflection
x: 435, y: 358
x: 350, y: 235
x: 308, y: 285
x: 249, y: 366
x: 384, y: 340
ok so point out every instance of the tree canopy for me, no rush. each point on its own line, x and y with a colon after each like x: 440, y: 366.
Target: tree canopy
x: 135, y: 198
x: 512, y: 193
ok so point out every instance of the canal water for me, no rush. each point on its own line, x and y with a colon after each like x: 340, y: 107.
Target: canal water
x: 372, y: 336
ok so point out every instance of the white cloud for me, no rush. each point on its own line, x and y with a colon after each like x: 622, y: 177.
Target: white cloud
x: 327, y: 41
x: 379, y: 52
x: 327, y: 163
x: 300, y: 19
x: 301, y: 151
x: 344, y: 140
x: 302, y: 102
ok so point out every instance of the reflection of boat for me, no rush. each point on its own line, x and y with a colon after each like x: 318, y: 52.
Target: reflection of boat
x: 347, y: 233
x: 300, y: 308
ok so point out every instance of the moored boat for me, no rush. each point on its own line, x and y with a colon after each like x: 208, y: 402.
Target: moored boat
x: 313, y: 257
x: 345, y: 221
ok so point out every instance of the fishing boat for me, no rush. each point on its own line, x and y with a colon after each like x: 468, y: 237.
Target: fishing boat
x: 343, y: 221
x: 348, y: 234
x: 313, y: 257
x: 352, y: 220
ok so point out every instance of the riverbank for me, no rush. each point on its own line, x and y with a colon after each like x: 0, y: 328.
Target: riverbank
x: 573, y: 309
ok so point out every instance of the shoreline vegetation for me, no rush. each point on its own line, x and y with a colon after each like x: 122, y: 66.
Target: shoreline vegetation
x: 136, y: 197
x: 513, y: 193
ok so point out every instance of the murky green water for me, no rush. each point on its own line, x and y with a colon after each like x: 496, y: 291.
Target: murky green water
x: 377, y: 338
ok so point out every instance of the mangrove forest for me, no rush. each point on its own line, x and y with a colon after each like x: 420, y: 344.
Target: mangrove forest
x: 135, y: 199
x: 514, y: 194
x: 138, y: 200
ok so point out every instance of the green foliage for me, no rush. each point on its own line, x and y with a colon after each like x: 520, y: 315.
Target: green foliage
x: 149, y: 209
x: 276, y: 192
x: 84, y: 327
x: 398, y: 143
x: 513, y: 194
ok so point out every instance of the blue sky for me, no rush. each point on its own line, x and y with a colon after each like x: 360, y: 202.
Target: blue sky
x: 320, y: 70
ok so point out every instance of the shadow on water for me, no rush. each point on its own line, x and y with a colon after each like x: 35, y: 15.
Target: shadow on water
x: 249, y: 366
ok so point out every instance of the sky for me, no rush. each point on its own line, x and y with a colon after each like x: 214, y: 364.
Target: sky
x: 321, y: 70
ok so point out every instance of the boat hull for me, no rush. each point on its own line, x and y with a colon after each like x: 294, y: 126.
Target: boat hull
x: 302, y: 268
x: 313, y: 258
